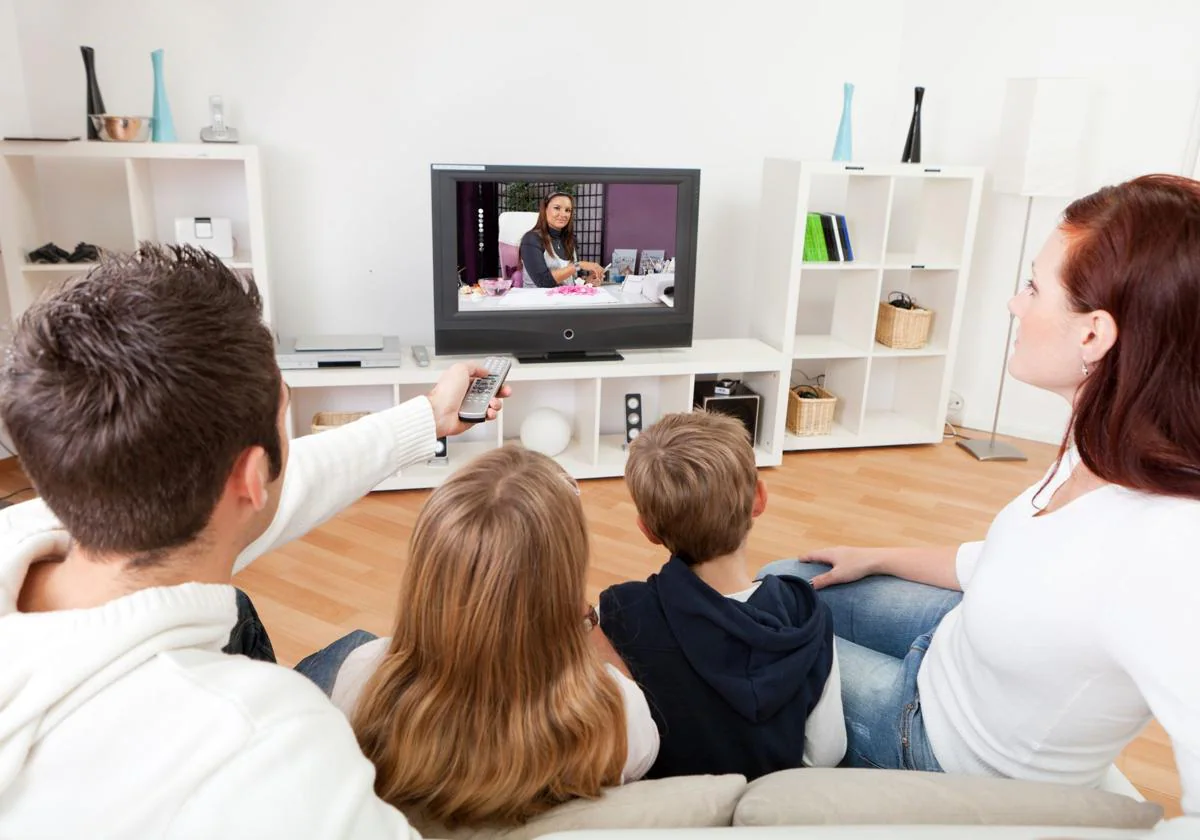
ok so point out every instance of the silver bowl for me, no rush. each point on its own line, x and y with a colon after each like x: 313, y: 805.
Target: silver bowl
x: 121, y: 129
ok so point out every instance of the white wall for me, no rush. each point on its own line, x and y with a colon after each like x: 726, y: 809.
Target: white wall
x: 351, y: 102
x: 14, y: 121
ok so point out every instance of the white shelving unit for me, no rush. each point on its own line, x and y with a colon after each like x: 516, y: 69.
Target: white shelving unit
x: 130, y: 193
x: 591, y: 393
x: 912, y: 228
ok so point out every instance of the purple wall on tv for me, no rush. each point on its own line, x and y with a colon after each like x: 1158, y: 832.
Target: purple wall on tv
x: 640, y: 216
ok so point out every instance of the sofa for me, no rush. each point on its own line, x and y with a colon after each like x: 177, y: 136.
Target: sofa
x: 839, y: 798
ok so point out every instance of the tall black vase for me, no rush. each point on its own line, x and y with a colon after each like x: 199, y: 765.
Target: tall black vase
x: 912, y: 146
x: 95, y: 102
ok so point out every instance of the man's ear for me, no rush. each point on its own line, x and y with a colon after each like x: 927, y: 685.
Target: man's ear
x: 647, y: 533
x: 250, y: 477
x: 760, y: 499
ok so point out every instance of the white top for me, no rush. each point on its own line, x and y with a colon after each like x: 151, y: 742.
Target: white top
x: 127, y: 720
x: 640, y: 730
x: 825, y: 729
x: 1075, y: 627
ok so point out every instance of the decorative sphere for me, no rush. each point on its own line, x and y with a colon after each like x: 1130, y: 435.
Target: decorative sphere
x: 546, y: 431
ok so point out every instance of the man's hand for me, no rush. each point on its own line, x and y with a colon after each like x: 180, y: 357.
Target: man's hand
x: 447, y: 395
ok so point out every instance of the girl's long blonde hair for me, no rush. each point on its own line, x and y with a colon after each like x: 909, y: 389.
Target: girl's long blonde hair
x: 491, y: 705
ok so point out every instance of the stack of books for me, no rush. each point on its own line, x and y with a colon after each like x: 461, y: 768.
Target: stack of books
x: 827, y: 238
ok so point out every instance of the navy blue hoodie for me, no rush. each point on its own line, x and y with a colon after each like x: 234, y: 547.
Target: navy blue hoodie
x: 730, y: 684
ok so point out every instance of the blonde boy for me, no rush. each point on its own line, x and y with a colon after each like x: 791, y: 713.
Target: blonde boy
x: 741, y: 676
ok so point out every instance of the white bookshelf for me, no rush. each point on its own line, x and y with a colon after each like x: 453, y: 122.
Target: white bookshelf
x: 912, y: 228
x: 115, y: 195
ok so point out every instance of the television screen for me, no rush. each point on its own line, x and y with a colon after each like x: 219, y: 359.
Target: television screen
x: 523, y: 245
x: 562, y: 261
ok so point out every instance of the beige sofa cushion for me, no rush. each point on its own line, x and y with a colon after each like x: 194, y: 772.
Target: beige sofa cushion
x: 682, y: 802
x: 865, y: 797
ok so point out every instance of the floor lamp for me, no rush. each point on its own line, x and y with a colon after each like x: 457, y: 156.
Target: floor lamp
x: 1041, y: 134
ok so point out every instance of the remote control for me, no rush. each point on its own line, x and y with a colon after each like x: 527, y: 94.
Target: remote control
x: 475, y: 404
x: 420, y: 355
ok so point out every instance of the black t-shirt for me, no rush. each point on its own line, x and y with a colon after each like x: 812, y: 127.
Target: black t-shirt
x: 533, y: 259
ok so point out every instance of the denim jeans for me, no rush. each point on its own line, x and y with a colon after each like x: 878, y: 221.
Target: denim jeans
x: 884, y: 626
x: 322, y: 667
x: 249, y: 637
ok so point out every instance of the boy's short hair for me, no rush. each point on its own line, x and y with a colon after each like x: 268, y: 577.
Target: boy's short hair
x: 692, y: 477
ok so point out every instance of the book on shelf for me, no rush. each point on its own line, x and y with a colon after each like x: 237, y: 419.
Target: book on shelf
x: 827, y: 238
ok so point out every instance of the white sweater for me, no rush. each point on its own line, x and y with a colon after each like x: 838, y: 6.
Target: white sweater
x: 641, y: 733
x: 1075, y: 627
x: 126, y: 720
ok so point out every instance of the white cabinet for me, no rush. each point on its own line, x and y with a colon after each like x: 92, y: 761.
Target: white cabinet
x: 590, y: 395
x: 912, y: 227
x: 115, y: 195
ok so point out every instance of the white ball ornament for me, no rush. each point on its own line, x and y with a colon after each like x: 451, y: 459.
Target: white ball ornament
x: 546, y: 431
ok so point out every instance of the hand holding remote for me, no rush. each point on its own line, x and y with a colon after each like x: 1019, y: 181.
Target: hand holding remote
x: 447, y: 395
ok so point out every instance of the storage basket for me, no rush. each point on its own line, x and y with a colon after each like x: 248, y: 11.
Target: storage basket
x: 810, y: 415
x: 903, y: 329
x: 323, y: 421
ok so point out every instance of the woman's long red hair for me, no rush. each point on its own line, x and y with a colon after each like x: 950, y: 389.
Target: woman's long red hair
x: 1133, y: 250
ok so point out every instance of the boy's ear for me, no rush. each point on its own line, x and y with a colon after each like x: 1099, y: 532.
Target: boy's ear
x: 647, y: 533
x: 760, y: 499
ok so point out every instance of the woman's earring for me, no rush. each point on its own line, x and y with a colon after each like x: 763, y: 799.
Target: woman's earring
x: 1085, y: 368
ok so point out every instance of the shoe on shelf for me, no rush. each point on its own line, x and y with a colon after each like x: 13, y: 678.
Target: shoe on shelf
x: 84, y: 253
x: 49, y: 253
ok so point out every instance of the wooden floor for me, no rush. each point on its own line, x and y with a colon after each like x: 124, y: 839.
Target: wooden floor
x: 344, y: 574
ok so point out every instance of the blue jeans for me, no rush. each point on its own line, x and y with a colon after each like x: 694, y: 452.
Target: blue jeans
x: 322, y: 667
x: 883, y: 625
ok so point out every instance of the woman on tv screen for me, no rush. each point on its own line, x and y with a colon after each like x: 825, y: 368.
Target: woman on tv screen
x: 548, y: 254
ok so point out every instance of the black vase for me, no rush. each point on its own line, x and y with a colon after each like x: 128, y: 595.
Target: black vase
x: 95, y: 102
x: 912, y: 146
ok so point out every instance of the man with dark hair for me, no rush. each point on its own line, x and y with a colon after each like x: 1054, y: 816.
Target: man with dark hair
x: 148, y: 410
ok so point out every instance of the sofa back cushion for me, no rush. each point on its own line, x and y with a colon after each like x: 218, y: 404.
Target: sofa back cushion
x: 681, y: 802
x: 815, y: 796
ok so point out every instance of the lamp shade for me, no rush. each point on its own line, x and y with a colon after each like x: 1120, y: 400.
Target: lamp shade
x: 1041, y: 136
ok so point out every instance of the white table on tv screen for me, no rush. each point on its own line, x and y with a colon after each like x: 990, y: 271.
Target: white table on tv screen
x: 536, y: 298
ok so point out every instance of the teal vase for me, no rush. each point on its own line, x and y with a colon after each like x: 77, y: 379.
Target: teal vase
x: 842, y: 146
x: 163, y: 130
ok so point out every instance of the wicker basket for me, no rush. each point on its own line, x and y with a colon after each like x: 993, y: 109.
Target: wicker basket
x: 903, y: 329
x: 323, y: 421
x: 811, y: 415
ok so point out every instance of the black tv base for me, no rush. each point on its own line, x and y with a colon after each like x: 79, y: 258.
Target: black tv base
x: 570, y: 356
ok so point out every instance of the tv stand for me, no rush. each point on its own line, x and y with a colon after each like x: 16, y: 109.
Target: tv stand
x: 571, y: 356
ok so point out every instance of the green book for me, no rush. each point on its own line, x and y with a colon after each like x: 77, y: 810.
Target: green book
x: 814, y: 240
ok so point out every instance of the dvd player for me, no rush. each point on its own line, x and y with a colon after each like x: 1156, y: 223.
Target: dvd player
x: 330, y: 355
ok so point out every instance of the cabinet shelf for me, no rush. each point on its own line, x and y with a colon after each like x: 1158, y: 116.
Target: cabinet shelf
x: 825, y: 347
x: 238, y: 263
x: 882, y: 350
x: 841, y: 266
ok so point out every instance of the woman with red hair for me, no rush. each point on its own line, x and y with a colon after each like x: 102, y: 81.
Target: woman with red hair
x: 1080, y: 612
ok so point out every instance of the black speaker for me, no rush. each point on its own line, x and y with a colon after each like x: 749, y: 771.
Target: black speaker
x: 440, y: 452
x: 633, y: 417
x: 730, y: 396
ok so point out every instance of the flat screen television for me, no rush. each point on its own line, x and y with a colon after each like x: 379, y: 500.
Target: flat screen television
x: 505, y: 281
